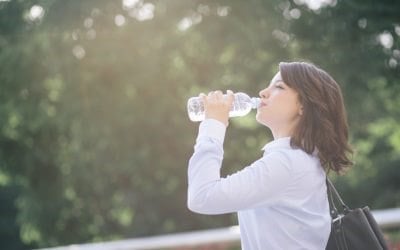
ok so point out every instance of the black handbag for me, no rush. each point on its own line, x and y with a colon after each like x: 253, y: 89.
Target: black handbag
x: 352, y: 229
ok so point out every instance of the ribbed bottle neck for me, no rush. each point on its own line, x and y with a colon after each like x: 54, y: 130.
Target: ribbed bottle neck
x: 255, y: 102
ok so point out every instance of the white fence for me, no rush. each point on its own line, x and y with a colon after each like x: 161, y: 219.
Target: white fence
x: 387, y: 218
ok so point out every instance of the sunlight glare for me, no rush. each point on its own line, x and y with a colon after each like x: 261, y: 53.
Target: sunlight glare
x: 187, y: 22
x: 392, y: 63
x: 316, y: 4
x: 396, y: 53
x: 130, y: 4
x: 143, y: 12
x: 295, y: 13
x: 146, y: 12
x: 36, y: 13
x: 397, y: 29
x: 88, y: 23
x: 281, y: 36
x: 386, y: 39
x: 119, y: 20
x: 203, y: 9
x: 223, y: 10
x: 79, y: 52
x: 362, y: 23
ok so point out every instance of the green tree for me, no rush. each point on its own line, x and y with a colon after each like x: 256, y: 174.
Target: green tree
x: 94, y: 133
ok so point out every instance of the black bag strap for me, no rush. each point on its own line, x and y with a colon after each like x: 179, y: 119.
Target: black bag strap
x: 333, y: 195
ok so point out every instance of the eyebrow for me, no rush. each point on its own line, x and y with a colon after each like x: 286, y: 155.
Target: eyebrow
x: 276, y: 81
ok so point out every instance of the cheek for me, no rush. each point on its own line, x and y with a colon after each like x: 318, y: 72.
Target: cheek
x: 290, y: 111
x: 279, y: 112
x: 266, y: 116
x: 289, y: 105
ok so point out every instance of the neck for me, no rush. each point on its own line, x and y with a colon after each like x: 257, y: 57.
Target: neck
x: 282, y: 131
x: 280, y: 135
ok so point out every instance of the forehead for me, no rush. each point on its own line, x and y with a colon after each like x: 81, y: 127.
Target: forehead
x: 276, y: 78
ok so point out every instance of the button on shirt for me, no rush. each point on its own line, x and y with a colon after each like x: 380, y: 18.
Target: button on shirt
x: 280, y: 199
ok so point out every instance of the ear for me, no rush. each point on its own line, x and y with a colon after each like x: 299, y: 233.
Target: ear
x: 301, y: 110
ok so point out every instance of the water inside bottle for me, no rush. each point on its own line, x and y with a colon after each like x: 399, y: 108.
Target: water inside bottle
x: 241, y: 106
x: 196, y: 109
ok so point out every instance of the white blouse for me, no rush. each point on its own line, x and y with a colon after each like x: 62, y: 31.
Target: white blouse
x: 280, y: 199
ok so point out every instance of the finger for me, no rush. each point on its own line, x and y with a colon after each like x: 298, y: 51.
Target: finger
x: 230, y: 96
x: 203, y: 97
x: 218, y: 95
x: 211, y: 95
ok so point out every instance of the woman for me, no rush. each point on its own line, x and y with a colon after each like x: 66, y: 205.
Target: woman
x: 281, y: 198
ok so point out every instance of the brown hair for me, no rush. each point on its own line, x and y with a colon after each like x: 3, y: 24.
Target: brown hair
x: 323, y: 124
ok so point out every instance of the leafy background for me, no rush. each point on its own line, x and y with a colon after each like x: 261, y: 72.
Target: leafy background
x: 94, y: 135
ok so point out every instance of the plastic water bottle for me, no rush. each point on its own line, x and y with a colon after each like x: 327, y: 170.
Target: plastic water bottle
x: 241, y: 106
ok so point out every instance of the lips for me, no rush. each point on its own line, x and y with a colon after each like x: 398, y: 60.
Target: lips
x: 262, y: 104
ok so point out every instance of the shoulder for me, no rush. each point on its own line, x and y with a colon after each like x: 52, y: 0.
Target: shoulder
x: 293, y: 159
x: 277, y: 158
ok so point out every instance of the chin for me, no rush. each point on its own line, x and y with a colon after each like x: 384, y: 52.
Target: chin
x: 260, y: 120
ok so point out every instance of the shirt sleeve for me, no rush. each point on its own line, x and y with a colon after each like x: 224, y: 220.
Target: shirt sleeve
x: 256, y: 184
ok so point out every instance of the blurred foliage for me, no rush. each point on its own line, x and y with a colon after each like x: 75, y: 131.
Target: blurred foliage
x: 94, y: 133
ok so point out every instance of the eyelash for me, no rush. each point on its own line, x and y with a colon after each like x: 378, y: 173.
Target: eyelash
x: 279, y: 86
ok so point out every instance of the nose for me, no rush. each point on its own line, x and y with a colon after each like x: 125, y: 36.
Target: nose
x: 264, y: 93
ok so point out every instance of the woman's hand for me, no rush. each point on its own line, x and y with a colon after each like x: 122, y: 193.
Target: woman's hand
x: 217, y: 106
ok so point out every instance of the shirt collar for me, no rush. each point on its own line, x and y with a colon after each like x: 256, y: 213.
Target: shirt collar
x: 283, y: 142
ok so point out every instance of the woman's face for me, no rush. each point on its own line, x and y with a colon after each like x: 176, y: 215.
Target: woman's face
x: 280, y: 108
